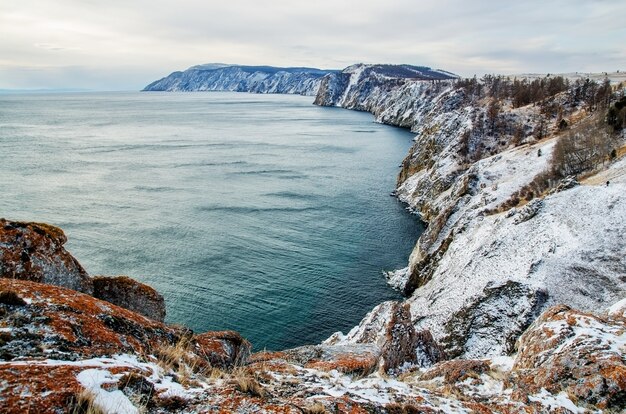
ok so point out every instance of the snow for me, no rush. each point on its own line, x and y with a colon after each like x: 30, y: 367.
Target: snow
x: 379, y: 390
x: 397, y: 278
x: 576, y: 235
x: 355, y: 75
x: 114, y: 402
x: 502, y: 363
x: 553, y: 402
x: 618, y: 309
x: 587, y: 330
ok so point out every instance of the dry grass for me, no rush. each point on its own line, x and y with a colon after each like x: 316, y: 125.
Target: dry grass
x: 395, y: 408
x: 180, y: 360
x: 317, y: 408
x: 84, y: 403
x: 245, y: 382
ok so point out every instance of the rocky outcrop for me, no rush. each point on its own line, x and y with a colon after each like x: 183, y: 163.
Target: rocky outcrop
x: 576, y: 353
x: 130, y: 294
x: 34, y: 251
x: 223, y: 348
x: 51, y: 335
x: 369, y: 87
x: 237, y: 78
x: 490, y: 324
x: 389, y: 328
x: 473, y: 159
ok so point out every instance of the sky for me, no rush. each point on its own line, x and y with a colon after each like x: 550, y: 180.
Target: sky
x: 126, y: 44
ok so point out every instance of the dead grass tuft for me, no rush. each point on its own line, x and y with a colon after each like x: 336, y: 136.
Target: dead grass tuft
x: 245, y: 382
x: 317, y: 408
x: 84, y: 403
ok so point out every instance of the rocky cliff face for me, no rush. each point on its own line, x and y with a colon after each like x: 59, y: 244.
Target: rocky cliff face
x: 256, y: 79
x: 482, y: 271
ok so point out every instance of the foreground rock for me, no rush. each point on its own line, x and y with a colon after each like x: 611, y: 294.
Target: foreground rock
x: 34, y: 251
x: 62, y: 351
x: 579, y: 354
x: 130, y: 294
x: 55, y: 342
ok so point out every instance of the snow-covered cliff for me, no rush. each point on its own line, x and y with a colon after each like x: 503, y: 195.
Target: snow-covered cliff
x: 496, y: 251
x: 236, y: 78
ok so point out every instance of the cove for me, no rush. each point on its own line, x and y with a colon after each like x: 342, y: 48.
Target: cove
x: 258, y: 213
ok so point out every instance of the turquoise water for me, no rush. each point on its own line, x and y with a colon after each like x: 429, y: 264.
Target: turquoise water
x: 258, y: 213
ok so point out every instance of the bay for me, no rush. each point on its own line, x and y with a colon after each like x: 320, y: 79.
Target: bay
x: 258, y: 213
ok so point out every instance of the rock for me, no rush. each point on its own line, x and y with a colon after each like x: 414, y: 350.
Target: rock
x: 35, y: 252
x: 388, y: 326
x: 574, y: 352
x: 130, y: 294
x: 223, y: 348
x: 65, y: 324
x: 397, y: 279
x: 353, y: 359
x: 529, y: 211
x: 490, y: 324
x: 565, y: 184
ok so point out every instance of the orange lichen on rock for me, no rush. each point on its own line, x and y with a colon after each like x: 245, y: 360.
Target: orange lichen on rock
x: 61, y: 321
x: 582, y: 357
x: 222, y: 348
x: 130, y: 294
x: 358, y: 364
x: 34, y: 251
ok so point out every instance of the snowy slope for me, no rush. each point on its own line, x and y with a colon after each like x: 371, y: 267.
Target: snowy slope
x: 257, y: 79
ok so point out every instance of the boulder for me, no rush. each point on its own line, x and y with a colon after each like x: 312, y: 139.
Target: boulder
x: 35, y: 252
x: 389, y: 327
x: 577, y: 353
x: 489, y: 324
x: 130, y: 294
x: 223, y: 349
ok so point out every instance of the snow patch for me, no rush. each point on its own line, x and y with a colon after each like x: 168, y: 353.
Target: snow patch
x: 114, y: 402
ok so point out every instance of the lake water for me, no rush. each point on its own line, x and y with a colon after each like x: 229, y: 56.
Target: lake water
x: 258, y: 213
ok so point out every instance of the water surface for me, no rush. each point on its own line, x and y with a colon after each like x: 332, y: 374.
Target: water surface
x: 259, y: 213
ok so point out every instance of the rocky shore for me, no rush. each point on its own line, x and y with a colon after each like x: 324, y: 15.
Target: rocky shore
x: 515, y: 296
x: 66, y: 351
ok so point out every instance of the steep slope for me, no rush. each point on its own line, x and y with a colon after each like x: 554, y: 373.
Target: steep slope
x: 484, y: 269
x: 236, y: 78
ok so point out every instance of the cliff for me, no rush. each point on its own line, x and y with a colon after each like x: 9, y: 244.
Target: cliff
x: 237, y: 78
x: 504, y: 239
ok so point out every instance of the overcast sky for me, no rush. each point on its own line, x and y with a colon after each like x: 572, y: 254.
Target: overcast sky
x: 126, y: 44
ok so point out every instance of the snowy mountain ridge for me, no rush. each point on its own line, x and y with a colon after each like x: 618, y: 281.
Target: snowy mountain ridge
x: 239, y: 78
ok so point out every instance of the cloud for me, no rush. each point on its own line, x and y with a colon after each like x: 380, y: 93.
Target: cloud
x: 50, y: 46
x: 155, y: 37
